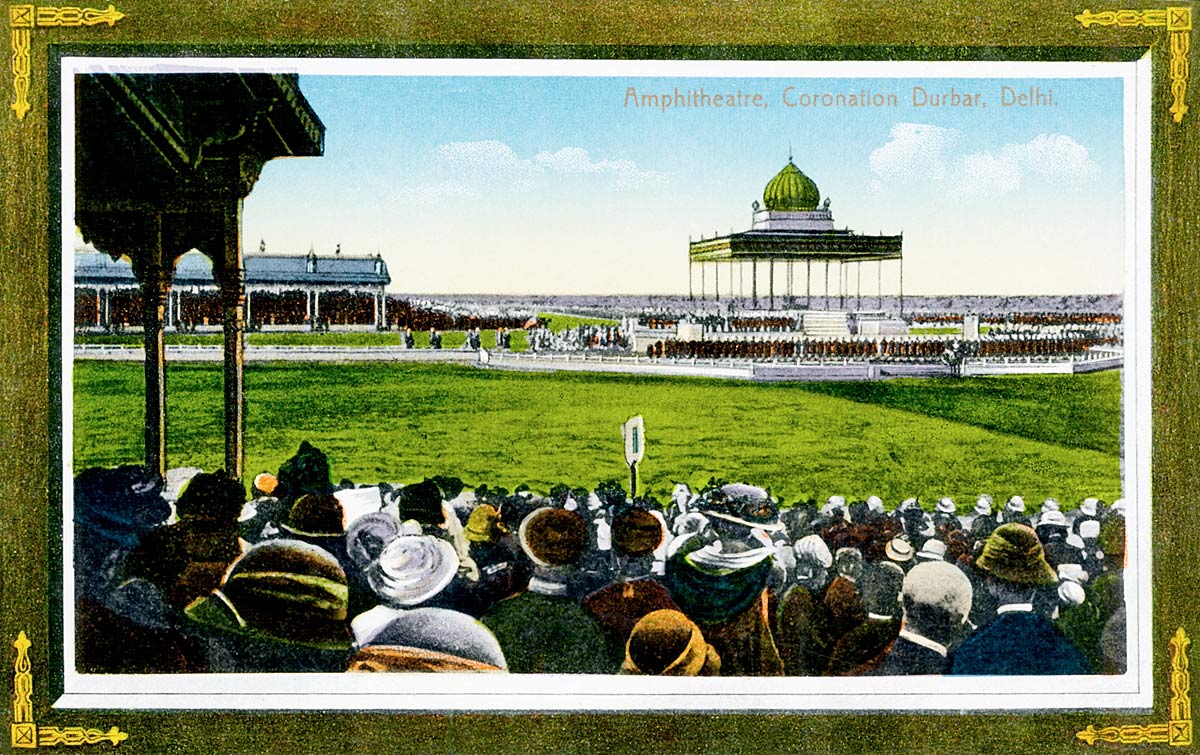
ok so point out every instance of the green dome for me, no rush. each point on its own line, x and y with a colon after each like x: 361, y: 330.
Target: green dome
x: 791, y: 191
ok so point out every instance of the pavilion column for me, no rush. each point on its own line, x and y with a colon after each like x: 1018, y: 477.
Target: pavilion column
x: 702, y: 282
x: 154, y: 275
x: 826, y: 284
x: 791, y: 298
x: 901, y: 285
x: 742, y: 280
x: 717, y: 280
x: 731, y: 278
x: 691, y: 294
x: 879, y: 284
x: 232, y: 281
x: 842, y: 284
x: 808, y: 283
x: 383, y: 323
x: 858, y: 285
x: 771, y: 281
x: 105, y: 320
x: 754, y: 282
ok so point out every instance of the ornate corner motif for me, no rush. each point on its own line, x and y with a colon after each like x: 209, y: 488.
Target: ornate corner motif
x: 1177, y: 732
x: 27, y: 735
x: 1178, y: 20
x: 23, y: 18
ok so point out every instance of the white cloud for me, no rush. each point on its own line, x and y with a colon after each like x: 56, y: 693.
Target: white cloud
x: 494, y: 160
x: 577, y: 160
x: 915, y: 150
x: 922, y: 152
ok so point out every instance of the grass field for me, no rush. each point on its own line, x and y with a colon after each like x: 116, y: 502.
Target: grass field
x: 558, y: 321
x: 1034, y: 435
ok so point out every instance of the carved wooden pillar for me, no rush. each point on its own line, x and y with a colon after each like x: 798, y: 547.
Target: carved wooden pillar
x: 230, y: 275
x: 154, y: 274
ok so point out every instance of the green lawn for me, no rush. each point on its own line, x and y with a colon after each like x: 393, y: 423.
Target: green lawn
x: 558, y: 321
x: 1038, y: 436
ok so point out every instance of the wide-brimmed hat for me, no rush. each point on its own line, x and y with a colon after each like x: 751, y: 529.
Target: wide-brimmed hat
x: 747, y: 505
x: 1015, y: 505
x: 483, y: 524
x: 636, y: 532
x: 899, y: 550
x: 413, y: 569
x: 289, y: 589
x: 368, y: 535
x: 983, y: 505
x: 1071, y: 593
x: 118, y: 504
x: 1072, y: 572
x: 875, y: 504
x: 553, y: 537
x: 316, y: 515
x: 667, y: 643
x: 1050, y: 504
x: 1089, y: 506
x: 940, y: 585
x: 945, y: 506
x: 1014, y: 554
x: 932, y: 550
x: 1089, y: 529
x: 1052, y: 518
x: 813, y: 550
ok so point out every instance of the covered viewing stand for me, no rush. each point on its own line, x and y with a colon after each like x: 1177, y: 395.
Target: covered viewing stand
x: 737, y: 251
x: 163, y: 163
x: 789, y: 227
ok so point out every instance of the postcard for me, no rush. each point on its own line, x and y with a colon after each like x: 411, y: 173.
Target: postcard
x: 690, y: 387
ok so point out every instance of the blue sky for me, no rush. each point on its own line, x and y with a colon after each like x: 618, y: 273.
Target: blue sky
x: 558, y: 185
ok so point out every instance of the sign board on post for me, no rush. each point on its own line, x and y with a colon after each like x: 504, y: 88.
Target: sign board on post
x: 635, y: 448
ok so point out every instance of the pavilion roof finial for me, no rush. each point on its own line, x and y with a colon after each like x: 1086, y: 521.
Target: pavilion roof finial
x: 789, y: 152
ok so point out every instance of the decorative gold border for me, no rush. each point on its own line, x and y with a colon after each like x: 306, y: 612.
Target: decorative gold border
x: 1178, y: 20
x: 1178, y: 731
x: 22, y: 18
x: 26, y: 735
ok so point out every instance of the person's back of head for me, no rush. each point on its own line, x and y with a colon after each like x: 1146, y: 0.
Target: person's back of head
x: 214, y: 497
x: 936, y: 597
x: 880, y: 589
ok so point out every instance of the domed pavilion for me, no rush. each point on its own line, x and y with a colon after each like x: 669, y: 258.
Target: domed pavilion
x: 791, y: 224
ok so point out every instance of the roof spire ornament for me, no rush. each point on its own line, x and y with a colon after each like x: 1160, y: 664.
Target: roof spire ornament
x: 789, y: 152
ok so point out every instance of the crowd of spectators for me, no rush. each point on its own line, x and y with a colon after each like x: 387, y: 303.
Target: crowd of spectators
x: 580, y: 338
x: 174, y: 576
x: 423, y: 315
x: 1057, y: 318
x: 888, y: 349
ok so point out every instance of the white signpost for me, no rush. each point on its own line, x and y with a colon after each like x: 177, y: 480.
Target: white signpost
x: 635, y: 448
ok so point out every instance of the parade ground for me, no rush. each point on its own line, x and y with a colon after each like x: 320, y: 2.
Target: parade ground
x: 1034, y: 435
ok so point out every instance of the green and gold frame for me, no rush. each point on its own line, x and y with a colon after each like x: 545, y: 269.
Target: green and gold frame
x: 1034, y: 31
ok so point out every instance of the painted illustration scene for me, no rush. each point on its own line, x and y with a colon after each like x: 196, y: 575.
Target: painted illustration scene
x: 538, y: 373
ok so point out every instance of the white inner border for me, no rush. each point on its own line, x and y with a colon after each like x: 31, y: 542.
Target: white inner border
x: 484, y: 692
